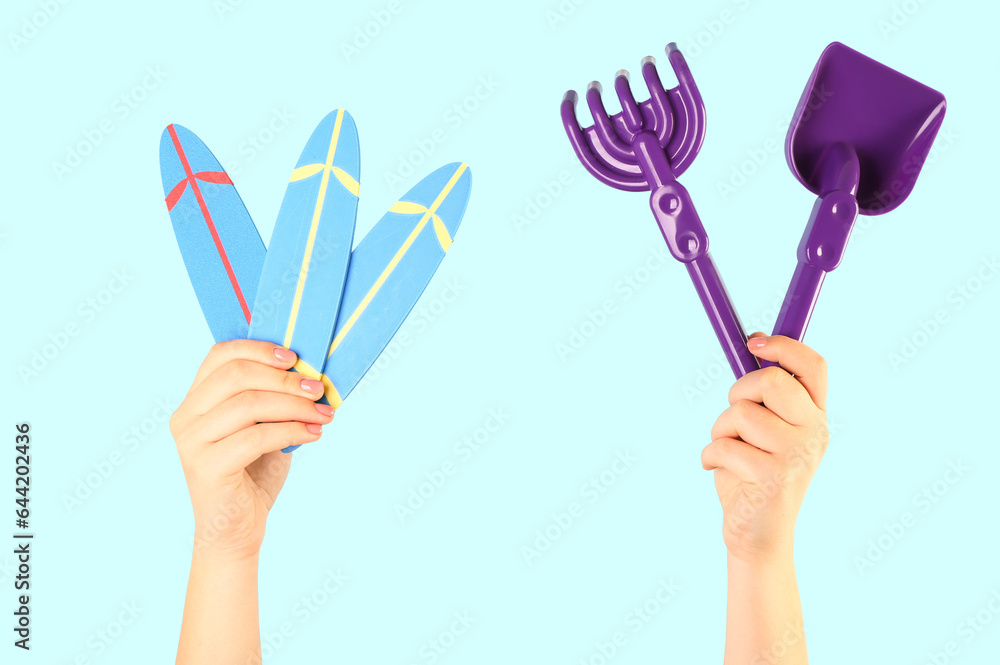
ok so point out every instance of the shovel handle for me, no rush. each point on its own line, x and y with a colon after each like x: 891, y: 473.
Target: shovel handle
x: 800, y: 301
x: 820, y: 251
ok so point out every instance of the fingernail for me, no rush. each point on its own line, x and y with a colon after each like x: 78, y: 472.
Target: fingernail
x: 311, y: 385
x: 324, y: 409
x: 283, y: 354
x: 314, y: 429
x: 757, y: 342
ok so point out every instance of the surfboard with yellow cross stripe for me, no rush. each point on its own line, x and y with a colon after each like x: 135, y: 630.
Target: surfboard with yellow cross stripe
x: 390, y: 268
x: 303, y: 277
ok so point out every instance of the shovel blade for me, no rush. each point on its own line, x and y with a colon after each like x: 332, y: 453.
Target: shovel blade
x: 888, y: 118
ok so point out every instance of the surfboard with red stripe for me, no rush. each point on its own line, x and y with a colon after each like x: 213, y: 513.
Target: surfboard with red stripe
x: 221, y: 247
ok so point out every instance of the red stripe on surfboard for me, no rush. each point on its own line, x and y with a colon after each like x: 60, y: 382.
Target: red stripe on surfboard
x: 217, y: 177
x: 175, y: 194
x: 208, y: 218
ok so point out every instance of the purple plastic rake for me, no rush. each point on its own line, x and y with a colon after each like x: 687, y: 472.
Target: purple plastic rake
x: 645, y: 147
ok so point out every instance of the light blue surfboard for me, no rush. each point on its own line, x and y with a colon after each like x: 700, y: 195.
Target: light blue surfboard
x: 306, y: 266
x: 221, y: 247
x: 389, y: 271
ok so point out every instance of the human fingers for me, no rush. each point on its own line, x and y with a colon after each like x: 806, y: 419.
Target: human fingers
x: 804, y: 363
x: 755, y: 424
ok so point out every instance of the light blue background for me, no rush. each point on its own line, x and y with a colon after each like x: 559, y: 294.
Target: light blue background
x: 521, y: 292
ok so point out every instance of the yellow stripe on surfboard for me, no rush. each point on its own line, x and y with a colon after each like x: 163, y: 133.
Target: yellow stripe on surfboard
x: 304, y: 172
x: 345, y: 178
x: 411, y: 208
x: 403, y: 206
x: 332, y: 396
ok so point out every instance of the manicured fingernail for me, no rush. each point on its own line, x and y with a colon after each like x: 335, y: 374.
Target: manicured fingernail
x: 324, y: 409
x: 311, y: 385
x: 283, y: 354
x: 314, y: 429
x: 757, y: 342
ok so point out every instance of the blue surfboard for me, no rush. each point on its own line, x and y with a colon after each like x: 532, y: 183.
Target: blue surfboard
x: 307, y: 259
x: 221, y: 247
x: 389, y: 271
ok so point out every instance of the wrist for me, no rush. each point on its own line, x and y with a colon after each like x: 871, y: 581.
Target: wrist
x: 773, y: 559
x: 217, y: 553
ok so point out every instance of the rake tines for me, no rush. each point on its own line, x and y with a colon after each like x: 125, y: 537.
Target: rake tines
x: 673, y: 120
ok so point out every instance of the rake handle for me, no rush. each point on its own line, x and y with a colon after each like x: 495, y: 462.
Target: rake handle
x: 722, y: 315
x: 688, y: 243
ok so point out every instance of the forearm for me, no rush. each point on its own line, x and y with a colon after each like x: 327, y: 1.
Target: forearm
x: 221, y: 623
x: 764, y: 614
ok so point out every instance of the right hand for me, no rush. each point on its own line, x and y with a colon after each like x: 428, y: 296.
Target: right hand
x: 766, y: 447
x: 242, y: 409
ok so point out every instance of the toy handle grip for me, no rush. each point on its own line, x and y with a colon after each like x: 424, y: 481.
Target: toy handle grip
x: 800, y: 301
x: 820, y: 251
x: 687, y: 241
x: 721, y: 313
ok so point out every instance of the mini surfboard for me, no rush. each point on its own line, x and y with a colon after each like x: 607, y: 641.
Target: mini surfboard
x: 307, y: 259
x: 221, y: 247
x: 389, y: 271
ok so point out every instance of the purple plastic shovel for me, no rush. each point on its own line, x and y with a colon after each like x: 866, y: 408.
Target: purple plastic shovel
x: 646, y: 147
x: 858, y: 139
